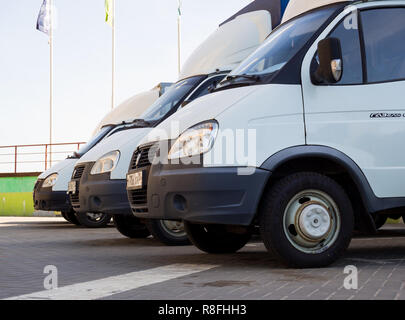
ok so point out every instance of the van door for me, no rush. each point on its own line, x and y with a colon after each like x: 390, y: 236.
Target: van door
x: 363, y: 115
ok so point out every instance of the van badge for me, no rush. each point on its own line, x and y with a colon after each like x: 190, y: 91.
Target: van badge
x: 386, y: 115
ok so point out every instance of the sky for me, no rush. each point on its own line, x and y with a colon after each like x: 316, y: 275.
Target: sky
x: 146, y: 54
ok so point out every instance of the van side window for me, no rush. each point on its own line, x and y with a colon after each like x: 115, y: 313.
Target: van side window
x: 384, y: 40
x: 351, y: 51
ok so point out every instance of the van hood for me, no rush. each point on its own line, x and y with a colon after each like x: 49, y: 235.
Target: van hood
x: 117, y: 141
x: 204, y: 108
x: 57, y: 168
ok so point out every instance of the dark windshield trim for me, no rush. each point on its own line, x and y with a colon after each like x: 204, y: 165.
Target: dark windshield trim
x: 178, y: 104
x: 291, y: 72
x: 78, y: 154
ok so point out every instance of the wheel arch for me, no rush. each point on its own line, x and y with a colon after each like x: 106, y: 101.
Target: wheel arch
x: 339, y: 166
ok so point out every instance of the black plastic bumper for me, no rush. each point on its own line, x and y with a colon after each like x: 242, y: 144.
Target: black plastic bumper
x: 203, y: 195
x: 47, y: 200
x: 98, y: 193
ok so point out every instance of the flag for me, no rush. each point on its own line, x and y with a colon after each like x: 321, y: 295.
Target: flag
x: 179, y: 8
x: 109, y: 12
x: 44, y: 18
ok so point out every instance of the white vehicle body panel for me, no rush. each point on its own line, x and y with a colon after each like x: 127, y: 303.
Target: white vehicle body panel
x: 246, y: 108
x: 64, y: 170
x: 229, y: 44
x: 125, y: 141
x: 339, y: 117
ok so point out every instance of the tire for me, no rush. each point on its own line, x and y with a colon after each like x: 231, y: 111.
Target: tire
x: 130, y: 226
x: 170, y: 233
x: 91, y: 220
x: 71, y: 217
x: 64, y: 215
x: 380, y: 221
x: 215, y: 238
x: 306, y: 220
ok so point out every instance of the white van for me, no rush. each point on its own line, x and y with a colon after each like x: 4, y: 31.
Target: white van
x: 321, y: 100
x: 50, y: 192
x: 99, y: 180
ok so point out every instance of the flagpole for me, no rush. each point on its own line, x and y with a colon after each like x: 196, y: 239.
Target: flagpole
x: 50, y: 79
x: 113, y: 56
x: 179, y: 44
x: 179, y: 38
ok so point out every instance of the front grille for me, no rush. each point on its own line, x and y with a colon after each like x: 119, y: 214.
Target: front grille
x: 77, y: 174
x: 138, y: 197
x: 74, y: 199
x: 142, y: 156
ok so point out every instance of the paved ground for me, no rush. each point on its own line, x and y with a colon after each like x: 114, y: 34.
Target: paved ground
x: 101, y: 264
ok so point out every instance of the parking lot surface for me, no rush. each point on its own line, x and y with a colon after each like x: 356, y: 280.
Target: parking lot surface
x: 102, y: 264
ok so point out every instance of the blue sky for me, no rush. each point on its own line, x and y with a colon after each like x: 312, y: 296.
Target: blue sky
x: 146, y: 55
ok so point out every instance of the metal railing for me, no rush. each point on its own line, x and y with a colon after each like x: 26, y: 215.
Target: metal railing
x: 34, y: 157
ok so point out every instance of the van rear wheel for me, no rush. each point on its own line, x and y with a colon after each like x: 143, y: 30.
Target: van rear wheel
x: 216, y: 238
x: 130, y: 226
x: 93, y: 220
x: 170, y: 233
x: 306, y: 220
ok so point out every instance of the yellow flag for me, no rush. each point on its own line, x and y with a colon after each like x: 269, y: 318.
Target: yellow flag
x: 109, y: 12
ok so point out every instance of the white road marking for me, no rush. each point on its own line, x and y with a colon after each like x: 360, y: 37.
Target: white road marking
x: 98, y: 289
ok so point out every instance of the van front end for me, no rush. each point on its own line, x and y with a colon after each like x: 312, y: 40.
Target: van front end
x: 50, y: 191
x: 198, y: 194
x: 45, y: 199
x: 97, y: 193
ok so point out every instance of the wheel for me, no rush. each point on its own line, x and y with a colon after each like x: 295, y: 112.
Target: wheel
x: 71, y: 217
x: 130, y: 226
x: 380, y: 220
x: 216, y: 238
x: 306, y: 220
x: 93, y: 220
x: 171, y: 233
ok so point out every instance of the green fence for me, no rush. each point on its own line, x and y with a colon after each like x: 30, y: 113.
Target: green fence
x: 16, y: 194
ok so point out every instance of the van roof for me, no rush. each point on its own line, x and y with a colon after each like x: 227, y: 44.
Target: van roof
x: 229, y: 45
x: 133, y: 107
x: 297, y: 7
x: 235, y: 39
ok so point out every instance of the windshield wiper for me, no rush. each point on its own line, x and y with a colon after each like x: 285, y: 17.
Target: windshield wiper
x: 228, y: 82
x: 142, y: 122
x: 245, y: 76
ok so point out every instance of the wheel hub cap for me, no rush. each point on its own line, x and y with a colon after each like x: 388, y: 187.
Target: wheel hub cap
x: 314, y: 221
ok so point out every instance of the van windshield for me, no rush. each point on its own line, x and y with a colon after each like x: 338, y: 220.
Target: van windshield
x: 283, y: 44
x: 93, y: 141
x: 172, y: 99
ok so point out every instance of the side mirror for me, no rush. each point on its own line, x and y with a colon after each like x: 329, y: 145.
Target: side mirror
x: 330, y: 68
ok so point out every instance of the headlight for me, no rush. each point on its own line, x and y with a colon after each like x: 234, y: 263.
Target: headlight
x: 50, y: 181
x: 106, y: 163
x: 195, y: 141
